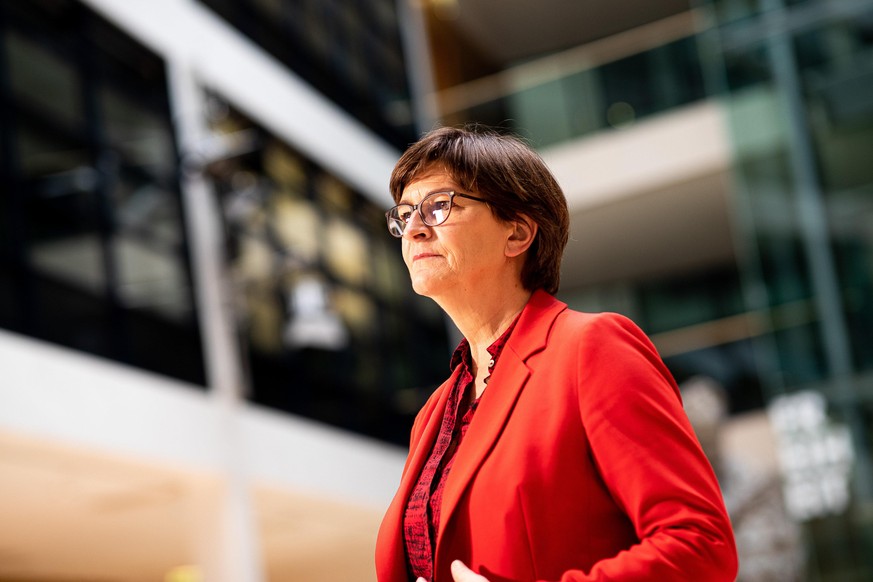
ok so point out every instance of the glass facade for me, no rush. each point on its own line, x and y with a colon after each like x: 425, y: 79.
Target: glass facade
x: 785, y: 330
x: 349, y: 51
x: 549, y: 107
x: 92, y: 248
x: 94, y: 251
x: 797, y: 81
x: 329, y: 324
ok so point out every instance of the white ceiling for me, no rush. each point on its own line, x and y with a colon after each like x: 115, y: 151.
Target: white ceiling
x: 512, y: 30
x: 676, y: 228
x: 648, y: 200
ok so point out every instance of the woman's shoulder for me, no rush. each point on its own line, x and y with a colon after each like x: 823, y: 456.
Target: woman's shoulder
x: 547, y: 311
x: 607, y: 335
x: 607, y: 322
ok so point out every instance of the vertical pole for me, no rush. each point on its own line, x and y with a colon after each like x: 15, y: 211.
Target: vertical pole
x: 225, y: 528
x: 812, y: 216
x: 419, y: 68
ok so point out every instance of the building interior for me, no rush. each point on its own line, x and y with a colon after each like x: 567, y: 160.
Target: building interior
x: 212, y: 355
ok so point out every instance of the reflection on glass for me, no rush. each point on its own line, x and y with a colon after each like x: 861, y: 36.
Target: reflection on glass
x: 149, y: 211
x: 347, y: 251
x: 100, y: 263
x: 260, y: 311
x: 320, y: 293
x: 57, y: 166
x: 731, y: 10
x: 43, y: 80
x: 389, y: 274
x: 151, y: 279
x: 141, y: 135
x: 255, y: 261
x: 264, y: 317
x: 335, y: 195
x: 545, y: 107
x: 312, y: 321
x: 284, y: 168
x: 357, y: 310
x: 62, y: 221
x: 551, y: 107
x: 76, y: 259
x: 271, y: 8
x: 296, y: 224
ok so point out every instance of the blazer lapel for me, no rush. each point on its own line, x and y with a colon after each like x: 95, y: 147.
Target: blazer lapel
x: 393, y: 566
x: 509, y: 378
x: 420, y: 450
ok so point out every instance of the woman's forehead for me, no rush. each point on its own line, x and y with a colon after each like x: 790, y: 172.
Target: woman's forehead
x: 434, y: 178
x: 426, y: 171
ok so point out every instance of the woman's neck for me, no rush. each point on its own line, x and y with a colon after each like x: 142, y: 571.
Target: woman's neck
x: 483, y: 315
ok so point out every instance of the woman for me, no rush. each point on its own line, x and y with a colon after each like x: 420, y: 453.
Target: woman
x: 558, y: 448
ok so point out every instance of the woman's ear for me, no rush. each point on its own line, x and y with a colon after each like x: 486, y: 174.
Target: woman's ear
x: 524, y: 231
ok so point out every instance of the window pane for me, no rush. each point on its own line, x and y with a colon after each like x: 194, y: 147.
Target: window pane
x: 142, y: 136
x: 43, y: 81
x: 347, y: 252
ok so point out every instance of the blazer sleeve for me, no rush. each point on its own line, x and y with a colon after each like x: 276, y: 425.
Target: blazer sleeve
x: 650, y: 460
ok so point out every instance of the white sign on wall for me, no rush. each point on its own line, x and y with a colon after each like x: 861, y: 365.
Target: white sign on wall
x: 815, y: 455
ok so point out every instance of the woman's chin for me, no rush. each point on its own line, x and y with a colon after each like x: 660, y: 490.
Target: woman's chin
x: 428, y: 286
x: 424, y: 290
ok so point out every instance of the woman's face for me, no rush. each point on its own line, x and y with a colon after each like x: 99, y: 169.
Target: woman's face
x: 460, y: 255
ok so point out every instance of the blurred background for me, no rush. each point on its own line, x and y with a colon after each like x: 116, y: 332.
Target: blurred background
x: 210, y: 356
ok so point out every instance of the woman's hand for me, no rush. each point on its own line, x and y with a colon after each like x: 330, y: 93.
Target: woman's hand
x: 461, y: 573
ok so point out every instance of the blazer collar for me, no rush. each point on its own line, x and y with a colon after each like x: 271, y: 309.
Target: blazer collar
x: 535, y: 324
x: 509, y: 378
x: 392, y: 565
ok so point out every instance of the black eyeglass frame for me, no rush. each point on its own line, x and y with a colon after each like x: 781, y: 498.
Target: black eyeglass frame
x: 402, y: 223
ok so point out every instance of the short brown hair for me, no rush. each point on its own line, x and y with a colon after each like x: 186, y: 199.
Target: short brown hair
x: 510, y: 176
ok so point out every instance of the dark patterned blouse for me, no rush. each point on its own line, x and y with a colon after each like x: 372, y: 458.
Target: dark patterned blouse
x: 422, y: 517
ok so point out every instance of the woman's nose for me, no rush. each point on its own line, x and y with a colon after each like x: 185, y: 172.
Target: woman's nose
x: 416, y: 227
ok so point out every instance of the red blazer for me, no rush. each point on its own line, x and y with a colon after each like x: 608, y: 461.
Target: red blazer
x: 579, y: 464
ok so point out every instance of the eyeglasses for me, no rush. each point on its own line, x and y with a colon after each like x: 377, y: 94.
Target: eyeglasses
x: 434, y: 209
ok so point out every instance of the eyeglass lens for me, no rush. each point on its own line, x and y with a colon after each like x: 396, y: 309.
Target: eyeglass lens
x: 434, y: 210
